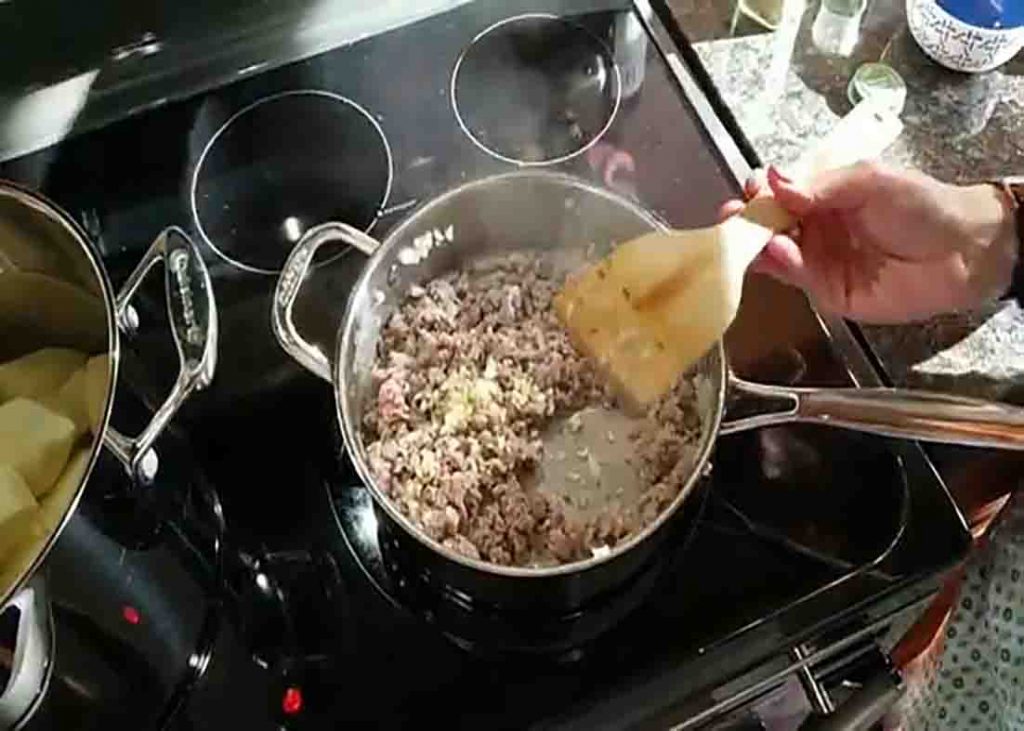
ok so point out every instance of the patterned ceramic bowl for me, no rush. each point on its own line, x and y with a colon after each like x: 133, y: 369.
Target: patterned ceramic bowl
x: 968, y: 35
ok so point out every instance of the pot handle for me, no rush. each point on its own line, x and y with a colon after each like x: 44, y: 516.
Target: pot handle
x: 891, y: 412
x: 192, y: 311
x: 33, y: 654
x: 294, y: 274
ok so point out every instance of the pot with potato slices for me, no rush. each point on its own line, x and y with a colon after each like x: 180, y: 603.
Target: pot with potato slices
x: 60, y: 330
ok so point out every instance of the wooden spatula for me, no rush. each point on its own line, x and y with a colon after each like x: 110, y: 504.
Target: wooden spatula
x: 650, y: 309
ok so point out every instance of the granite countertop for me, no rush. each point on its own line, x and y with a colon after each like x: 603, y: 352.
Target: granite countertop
x: 959, y: 128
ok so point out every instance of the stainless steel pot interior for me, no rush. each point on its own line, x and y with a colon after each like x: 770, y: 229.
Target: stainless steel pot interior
x: 53, y: 293
x: 569, y: 221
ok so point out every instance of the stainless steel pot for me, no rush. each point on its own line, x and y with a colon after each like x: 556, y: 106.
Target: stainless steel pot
x: 54, y: 292
x: 568, y: 220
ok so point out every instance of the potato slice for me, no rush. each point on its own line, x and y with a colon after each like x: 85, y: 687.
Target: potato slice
x: 39, y: 373
x: 97, y: 376
x: 21, y: 547
x: 18, y: 509
x: 55, y: 504
x: 35, y: 441
x: 69, y: 401
x: 83, y: 396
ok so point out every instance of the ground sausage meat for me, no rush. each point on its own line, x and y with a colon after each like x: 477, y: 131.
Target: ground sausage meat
x: 470, y: 369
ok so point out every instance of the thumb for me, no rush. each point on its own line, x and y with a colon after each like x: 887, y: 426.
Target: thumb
x: 782, y: 258
x: 843, y: 189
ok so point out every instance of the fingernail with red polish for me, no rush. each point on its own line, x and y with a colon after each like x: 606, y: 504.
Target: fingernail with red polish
x: 779, y: 175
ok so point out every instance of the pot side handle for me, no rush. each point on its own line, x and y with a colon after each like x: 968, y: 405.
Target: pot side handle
x: 192, y: 312
x: 891, y: 412
x: 294, y: 274
x: 32, y: 663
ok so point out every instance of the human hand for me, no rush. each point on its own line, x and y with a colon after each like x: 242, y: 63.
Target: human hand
x: 610, y: 162
x: 883, y: 245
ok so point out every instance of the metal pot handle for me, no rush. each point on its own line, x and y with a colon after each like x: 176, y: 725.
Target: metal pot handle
x: 192, y: 311
x: 33, y: 654
x: 891, y: 412
x: 294, y: 274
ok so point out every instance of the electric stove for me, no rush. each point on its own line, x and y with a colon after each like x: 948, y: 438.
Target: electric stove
x: 799, y: 548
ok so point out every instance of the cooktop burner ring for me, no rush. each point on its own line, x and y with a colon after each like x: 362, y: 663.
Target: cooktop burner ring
x: 375, y: 157
x: 546, y: 22
x: 380, y: 552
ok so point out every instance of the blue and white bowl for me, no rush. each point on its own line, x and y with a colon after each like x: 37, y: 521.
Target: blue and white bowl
x: 968, y: 35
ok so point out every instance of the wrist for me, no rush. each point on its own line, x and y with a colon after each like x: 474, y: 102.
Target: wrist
x: 992, y: 243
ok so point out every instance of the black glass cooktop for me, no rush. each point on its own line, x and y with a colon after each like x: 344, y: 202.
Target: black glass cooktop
x: 800, y: 531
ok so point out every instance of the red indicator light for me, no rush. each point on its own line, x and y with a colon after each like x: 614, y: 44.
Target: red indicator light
x: 291, y: 702
x: 130, y: 614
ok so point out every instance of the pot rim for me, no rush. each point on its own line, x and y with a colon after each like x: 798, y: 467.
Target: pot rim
x: 58, y: 215
x: 349, y: 422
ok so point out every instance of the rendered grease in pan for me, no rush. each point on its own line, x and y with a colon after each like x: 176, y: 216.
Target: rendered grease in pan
x: 499, y: 441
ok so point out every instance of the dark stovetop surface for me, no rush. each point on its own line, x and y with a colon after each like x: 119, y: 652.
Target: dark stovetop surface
x: 722, y: 602
x: 792, y: 513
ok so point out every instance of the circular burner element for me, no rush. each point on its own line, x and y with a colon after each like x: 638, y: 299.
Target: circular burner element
x: 283, y: 164
x: 535, y: 90
x: 381, y: 551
